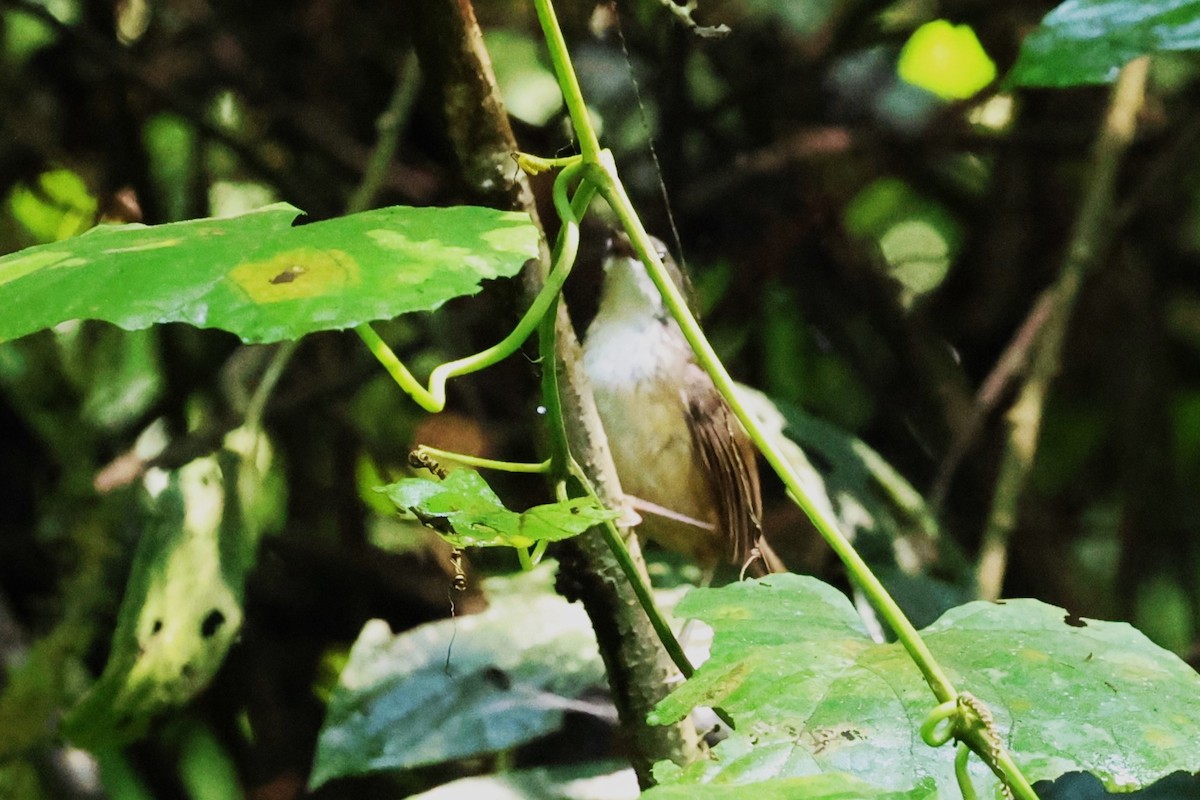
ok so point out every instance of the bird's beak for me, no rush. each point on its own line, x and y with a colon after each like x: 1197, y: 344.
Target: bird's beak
x: 619, y: 246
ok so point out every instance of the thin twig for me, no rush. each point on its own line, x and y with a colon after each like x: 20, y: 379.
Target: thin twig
x: 1091, y: 238
x: 389, y: 126
x: 1009, y: 366
x: 274, y: 371
x: 1178, y: 155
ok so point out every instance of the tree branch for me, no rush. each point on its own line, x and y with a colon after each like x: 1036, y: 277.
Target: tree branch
x: 1091, y: 237
x: 450, y: 48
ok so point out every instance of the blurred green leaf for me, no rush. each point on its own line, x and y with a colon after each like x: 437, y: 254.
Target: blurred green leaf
x: 916, y: 237
x: 885, y: 517
x: 1185, y: 430
x: 170, y: 143
x: 259, y: 276
x: 706, y: 86
x: 604, y: 780
x: 463, y: 687
x: 1164, y: 611
x: 20, y: 778
x: 805, y: 18
x: 58, y: 206
x: 798, y: 370
x: 121, y: 781
x: 528, y: 87
x: 787, y: 351
x: 1088, y: 41
x: 1072, y: 432
x: 467, y: 513
x: 133, y: 19
x: 235, y: 198
x: 124, y: 377
x: 205, y: 768
x: 24, y: 34
x: 182, y: 608
x: 946, y: 59
x: 918, y: 254
x: 812, y: 694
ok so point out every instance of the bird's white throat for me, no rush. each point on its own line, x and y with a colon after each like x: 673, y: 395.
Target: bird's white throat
x: 632, y: 339
x: 628, y: 291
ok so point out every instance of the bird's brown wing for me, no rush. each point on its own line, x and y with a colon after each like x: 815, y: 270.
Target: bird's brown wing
x: 728, y: 458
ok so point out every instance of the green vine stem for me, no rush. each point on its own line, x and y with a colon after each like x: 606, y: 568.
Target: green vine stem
x: 258, y: 401
x: 562, y: 464
x: 475, y: 462
x: 604, y: 176
x: 433, y: 399
x: 566, y: 247
x: 388, y: 127
x: 560, y: 57
x: 610, y: 187
x: 965, y: 787
x: 612, y: 191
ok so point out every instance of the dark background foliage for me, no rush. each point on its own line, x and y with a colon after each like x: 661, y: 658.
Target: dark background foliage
x: 772, y: 144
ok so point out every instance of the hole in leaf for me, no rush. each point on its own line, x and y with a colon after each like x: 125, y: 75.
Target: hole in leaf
x: 1074, y: 621
x: 156, y: 627
x: 288, y: 275
x: 498, y: 678
x: 212, y: 623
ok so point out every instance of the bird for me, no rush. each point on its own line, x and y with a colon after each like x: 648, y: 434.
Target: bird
x: 685, y: 464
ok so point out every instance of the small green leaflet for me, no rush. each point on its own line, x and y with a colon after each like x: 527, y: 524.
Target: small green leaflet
x: 259, y: 277
x: 813, y: 694
x: 467, y: 513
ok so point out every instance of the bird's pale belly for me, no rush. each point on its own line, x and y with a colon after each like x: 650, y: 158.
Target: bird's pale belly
x: 645, y: 418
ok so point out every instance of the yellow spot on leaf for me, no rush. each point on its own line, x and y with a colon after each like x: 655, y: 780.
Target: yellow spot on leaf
x: 296, y: 274
x: 1161, y: 739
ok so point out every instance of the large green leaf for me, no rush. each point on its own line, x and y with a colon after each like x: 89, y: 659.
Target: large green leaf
x: 812, y: 694
x: 461, y: 687
x: 590, y: 780
x: 1088, y: 41
x: 258, y: 276
x: 830, y: 786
